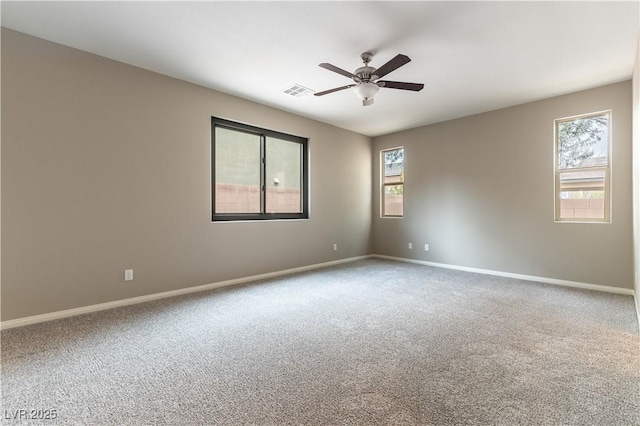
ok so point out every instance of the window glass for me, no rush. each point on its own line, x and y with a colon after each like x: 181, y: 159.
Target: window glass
x: 283, y: 176
x: 582, y: 168
x: 237, y: 172
x: 583, y: 142
x: 393, y: 202
x: 393, y: 182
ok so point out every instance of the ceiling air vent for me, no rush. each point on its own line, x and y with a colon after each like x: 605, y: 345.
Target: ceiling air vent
x: 297, y: 91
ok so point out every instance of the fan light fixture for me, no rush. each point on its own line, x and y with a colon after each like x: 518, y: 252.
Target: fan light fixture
x: 366, y: 91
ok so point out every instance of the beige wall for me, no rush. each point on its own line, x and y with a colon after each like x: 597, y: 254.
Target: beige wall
x: 107, y: 167
x: 479, y: 191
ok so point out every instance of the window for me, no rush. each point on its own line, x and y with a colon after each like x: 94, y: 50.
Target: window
x: 583, y: 168
x: 257, y: 174
x: 392, y: 165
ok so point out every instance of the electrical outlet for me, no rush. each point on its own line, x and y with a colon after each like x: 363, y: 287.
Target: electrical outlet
x: 410, y: 246
x: 335, y: 247
x: 128, y: 274
x: 426, y: 247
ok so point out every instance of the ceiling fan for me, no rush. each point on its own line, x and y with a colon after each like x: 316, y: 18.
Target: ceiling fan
x: 367, y: 81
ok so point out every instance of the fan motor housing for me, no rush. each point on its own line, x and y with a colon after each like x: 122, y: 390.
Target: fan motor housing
x: 365, y: 73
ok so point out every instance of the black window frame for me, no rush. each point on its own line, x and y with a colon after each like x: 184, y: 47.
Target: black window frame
x: 263, y: 134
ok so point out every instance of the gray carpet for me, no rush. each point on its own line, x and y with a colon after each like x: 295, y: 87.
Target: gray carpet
x: 366, y: 343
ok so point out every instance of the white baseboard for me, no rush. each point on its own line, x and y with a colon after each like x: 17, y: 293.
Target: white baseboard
x: 566, y: 283
x: 4, y: 325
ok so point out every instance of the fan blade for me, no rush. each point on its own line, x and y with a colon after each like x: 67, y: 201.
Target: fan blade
x: 416, y: 87
x: 338, y: 70
x: 326, y: 92
x: 392, y: 65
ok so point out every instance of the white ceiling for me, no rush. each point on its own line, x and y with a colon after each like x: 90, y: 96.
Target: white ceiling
x: 472, y: 56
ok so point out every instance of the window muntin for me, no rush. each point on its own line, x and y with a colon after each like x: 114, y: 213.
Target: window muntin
x: 583, y: 168
x: 392, y: 170
x: 257, y: 174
